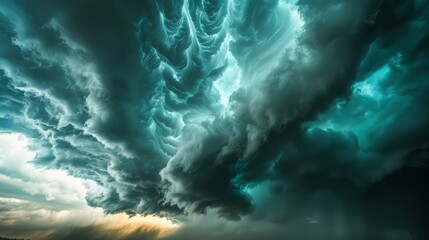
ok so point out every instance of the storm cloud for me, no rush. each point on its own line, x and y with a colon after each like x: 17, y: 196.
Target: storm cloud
x: 303, y: 112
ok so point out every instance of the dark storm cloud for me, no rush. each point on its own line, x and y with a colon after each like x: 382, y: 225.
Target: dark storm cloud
x: 138, y: 97
x: 307, y: 79
x: 385, y: 210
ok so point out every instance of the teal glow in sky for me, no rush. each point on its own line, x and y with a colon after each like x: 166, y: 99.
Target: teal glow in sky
x: 268, y: 119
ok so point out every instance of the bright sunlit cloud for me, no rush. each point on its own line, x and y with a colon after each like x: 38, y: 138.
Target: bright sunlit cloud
x: 40, y: 203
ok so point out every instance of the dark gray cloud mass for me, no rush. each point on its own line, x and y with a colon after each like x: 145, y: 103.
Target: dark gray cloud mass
x: 309, y: 114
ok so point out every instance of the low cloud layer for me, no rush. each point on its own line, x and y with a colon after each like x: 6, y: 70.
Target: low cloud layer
x: 280, y: 112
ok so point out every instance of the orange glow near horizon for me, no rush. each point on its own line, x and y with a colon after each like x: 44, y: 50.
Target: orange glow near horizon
x: 118, y: 226
x: 125, y: 225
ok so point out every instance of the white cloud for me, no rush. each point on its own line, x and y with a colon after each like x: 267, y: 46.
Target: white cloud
x: 37, y: 202
x: 21, y: 179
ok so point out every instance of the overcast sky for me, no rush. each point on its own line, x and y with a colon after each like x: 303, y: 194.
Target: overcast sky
x: 268, y: 119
